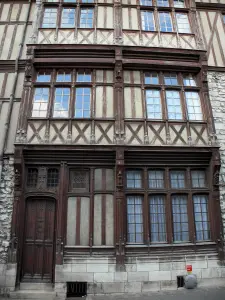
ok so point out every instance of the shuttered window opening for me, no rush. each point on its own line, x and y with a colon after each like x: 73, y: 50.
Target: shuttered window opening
x: 76, y: 289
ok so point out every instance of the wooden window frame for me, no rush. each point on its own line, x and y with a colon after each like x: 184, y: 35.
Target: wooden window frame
x: 168, y: 192
x: 172, y: 10
x: 78, y: 5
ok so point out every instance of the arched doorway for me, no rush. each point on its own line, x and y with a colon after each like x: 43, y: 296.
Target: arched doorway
x: 39, y: 234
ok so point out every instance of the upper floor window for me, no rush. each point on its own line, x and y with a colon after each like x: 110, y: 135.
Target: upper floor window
x: 180, y: 210
x: 71, y: 17
x: 163, y: 3
x: 178, y: 104
x: 147, y: 19
x: 165, y: 22
x: 183, y: 25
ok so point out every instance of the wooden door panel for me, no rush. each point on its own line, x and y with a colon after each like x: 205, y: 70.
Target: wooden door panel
x: 39, y: 240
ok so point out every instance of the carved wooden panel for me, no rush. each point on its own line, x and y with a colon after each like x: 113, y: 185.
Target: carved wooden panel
x: 134, y: 133
x: 178, y: 134
x: 156, y: 133
x: 199, y: 134
x: 81, y: 132
x: 58, y: 132
x: 36, y: 132
x: 212, y: 29
x: 104, y: 132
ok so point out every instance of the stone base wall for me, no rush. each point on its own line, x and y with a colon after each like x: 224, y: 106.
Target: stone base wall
x: 216, y: 81
x: 7, y: 271
x: 141, y: 274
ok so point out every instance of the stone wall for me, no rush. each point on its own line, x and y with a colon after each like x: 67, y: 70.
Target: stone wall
x: 141, y: 274
x: 7, y: 271
x: 216, y: 81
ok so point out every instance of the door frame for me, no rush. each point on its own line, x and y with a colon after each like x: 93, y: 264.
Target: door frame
x: 40, y: 197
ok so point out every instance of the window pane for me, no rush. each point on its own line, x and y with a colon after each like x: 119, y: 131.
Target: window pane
x: 170, y: 79
x: 83, y: 102
x: 87, y: 1
x: 201, y: 217
x: 151, y: 78
x: 84, y: 76
x: 173, y: 105
x: 153, y: 104
x: 63, y: 77
x: 183, y: 25
x: 53, y: 178
x: 43, y: 77
x: 146, y: 2
x: 157, y: 219
x: 189, y: 80
x: 156, y: 179
x: 40, y: 102
x: 198, y: 179
x: 61, y: 103
x: 86, y: 17
x: 179, y: 3
x: 50, y: 17
x: 68, y: 18
x: 32, y: 177
x: 134, y: 179
x: 180, y: 218
x: 193, y: 106
x: 177, y: 179
x: 147, y: 20
x: 162, y: 2
x: 165, y: 22
x: 134, y: 219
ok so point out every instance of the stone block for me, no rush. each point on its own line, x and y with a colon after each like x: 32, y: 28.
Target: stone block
x: 168, y: 285
x: 150, y: 286
x: 178, y: 265
x: 11, y: 269
x: 165, y: 266
x: 2, y: 269
x: 10, y: 281
x: 99, y: 268
x: 79, y: 268
x: 213, y: 263
x: 160, y: 275
x: 67, y: 268
x: 112, y: 268
x: 147, y: 267
x: 212, y: 273
x: 131, y: 267
x: 89, y: 277
x: 103, y: 277
x: 133, y: 287
x: 59, y: 276
x: 2, y: 281
x: 138, y: 276
x: 96, y: 261
x: 113, y: 287
x: 198, y: 264
x: 120, y: 276
x: 60, y: 288
x: 95, y: 288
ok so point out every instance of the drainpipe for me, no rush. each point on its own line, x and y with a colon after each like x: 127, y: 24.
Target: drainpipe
x: 5, y: 129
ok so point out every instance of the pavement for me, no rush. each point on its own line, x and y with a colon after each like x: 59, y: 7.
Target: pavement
x: 206, y: 293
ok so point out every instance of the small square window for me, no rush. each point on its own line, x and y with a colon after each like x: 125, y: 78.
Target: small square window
x: 177, y: 179
x: 198, y: 178
x: 179, y: 3
x: 63, y: 77
x: 134, y: 179
x: 151, y: 78
x: 84, y: 76
x: 189, y: 80
x: 79, y: 180
x: 170, y: 79
x: 43, y: 77
x: 163, y: 3
x: 146, y: 2
x: 156, y: 179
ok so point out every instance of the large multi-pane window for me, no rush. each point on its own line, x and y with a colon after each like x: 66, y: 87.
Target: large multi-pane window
x: 171, y: 95
x: 162, y: 19
x: 70, y: 17
x: 63, y: 94
x: 171, y: 201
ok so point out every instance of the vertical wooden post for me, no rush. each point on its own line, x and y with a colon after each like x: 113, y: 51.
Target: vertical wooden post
x: 61, y: 211
x: 120, y: 205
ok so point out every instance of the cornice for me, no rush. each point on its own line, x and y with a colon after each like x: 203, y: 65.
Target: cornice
x: 210, y: 6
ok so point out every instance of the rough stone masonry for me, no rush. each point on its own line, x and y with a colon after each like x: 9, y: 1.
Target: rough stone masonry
x: 216, y: 82
x: 6, y: 207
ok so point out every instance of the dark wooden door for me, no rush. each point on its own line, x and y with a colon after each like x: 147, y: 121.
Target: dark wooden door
x: 39, y: 240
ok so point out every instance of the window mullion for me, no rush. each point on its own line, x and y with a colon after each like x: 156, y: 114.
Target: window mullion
x: 146, y: 218
x: 51, y: 95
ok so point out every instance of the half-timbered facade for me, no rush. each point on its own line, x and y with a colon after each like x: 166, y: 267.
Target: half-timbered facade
x: 116, y: 160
